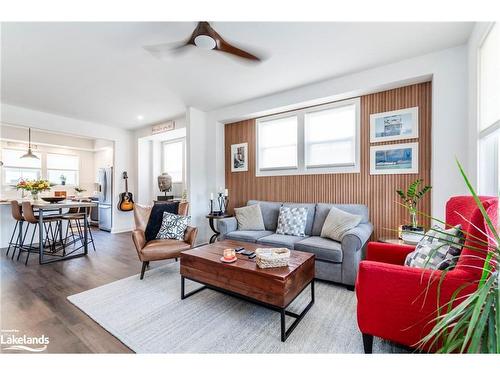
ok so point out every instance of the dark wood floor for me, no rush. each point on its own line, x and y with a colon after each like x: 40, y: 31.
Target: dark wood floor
x: 33, y: 298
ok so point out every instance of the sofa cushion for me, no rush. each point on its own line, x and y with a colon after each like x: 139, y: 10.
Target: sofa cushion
x: 439, y: 249
x: 292, y: 221
x: 248, y: 235
x: 322, y: 210
x: 249, y: 217
x: 270, y: 212
x: 323, y: 248
x: 281, y: 240
x: 337, y: 223
x: 311, y: 211
x: 173, y: 226
x: 156, y: 218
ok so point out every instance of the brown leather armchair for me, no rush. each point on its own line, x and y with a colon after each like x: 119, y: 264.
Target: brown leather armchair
x: 159, y: 249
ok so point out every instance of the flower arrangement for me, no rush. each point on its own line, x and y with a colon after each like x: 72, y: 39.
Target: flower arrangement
x: 33, y: 186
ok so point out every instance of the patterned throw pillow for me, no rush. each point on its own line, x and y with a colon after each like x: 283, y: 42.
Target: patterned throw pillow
x: 438, y: 250
x: 292, y: 221
x: 173, y: 226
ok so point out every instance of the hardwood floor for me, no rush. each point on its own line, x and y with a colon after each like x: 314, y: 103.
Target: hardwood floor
x: 33, y: 297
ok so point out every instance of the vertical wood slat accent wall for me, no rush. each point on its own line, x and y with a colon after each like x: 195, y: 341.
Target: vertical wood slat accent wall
x: 377, y: 191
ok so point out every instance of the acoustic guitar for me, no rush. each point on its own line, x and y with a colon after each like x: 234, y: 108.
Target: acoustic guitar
x: 126, y: 202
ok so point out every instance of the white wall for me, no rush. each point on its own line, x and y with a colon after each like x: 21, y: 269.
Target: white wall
x: 446, y: 68
x: 198, y: 165
x: 123, y: 141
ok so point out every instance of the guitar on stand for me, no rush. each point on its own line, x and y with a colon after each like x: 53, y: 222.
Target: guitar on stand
x: 126, y: 202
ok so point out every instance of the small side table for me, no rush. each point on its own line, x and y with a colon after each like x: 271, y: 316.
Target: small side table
x: 393, y: 240
x: 211, y: 219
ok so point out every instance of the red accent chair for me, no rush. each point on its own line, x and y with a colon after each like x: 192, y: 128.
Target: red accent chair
x: 393, y: 300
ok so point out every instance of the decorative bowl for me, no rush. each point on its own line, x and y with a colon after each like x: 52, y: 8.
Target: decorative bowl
x: 53, y: 199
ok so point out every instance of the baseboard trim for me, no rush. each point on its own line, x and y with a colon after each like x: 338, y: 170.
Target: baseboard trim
x: 121, y: 230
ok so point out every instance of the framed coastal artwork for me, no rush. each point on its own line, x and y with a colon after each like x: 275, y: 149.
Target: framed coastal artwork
x: 394, y: 159
x: 394, y: 125
x: 239, y: 157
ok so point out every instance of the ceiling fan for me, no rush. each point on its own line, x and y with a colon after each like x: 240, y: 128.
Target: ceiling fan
x: 205, y: 37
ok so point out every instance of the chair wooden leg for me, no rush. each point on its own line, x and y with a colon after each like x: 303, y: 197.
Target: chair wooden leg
x: 368, y: 343
x: 143, y: 270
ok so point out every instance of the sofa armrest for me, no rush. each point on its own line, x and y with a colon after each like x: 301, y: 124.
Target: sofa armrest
x: 225, y: 226
x: 139, y: 239
x: 388, y: 253
x: 190, y: 235
x: 353, y: 243
x: 355, y: 239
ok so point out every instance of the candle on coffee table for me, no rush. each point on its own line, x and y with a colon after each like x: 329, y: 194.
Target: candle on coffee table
x: 229, y: 254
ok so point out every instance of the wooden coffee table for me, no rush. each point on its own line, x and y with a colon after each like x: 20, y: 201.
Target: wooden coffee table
x: 274, y: 288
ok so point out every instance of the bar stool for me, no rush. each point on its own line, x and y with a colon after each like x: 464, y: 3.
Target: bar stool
x: 32, y: 219
x: 74, y: 216
x: 18, y: 217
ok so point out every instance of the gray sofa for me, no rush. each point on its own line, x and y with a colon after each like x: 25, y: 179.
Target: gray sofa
x: 335, y: 261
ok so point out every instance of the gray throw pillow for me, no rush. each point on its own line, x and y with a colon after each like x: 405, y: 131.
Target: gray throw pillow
x: 292, y: 221
x: 439, y: 249
x: 338, y: 222
x: 173, y: 226
x: 249, y: 217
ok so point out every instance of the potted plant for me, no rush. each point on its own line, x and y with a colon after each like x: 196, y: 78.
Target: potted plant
x: 410, y: 200
x: 63, y: 179
x: 471, y: 323
x: 33, y: 186
x: 79, y: 191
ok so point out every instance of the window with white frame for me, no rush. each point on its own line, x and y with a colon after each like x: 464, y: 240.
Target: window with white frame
x: 489, y: 113
x: 173, y: 160
x: 277, y: 139
x: 63, y: 169
x: 16, y: 168
x: 322, y: 139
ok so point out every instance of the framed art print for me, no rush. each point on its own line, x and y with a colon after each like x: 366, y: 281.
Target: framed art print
x: 394, y: 125
x: 394, y: 159
x: 239, y: 157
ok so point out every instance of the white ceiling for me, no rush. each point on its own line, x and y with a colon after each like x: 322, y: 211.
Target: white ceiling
x: 100, y: 72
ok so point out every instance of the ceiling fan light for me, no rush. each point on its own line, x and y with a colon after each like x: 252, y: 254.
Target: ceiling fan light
x: 205, y: 42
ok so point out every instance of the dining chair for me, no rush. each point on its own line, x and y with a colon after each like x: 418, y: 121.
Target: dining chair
x: 75, y: 217
x: 50, y: 236
x: 18, y: 217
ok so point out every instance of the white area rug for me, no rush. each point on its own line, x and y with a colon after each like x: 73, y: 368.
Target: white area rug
x: 148, y: 316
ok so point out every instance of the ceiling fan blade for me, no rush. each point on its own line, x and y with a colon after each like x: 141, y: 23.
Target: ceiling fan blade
x: 224, y: 46
x: 166, y: 49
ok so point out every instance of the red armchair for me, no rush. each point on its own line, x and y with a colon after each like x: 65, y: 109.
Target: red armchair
x: 393, y: 300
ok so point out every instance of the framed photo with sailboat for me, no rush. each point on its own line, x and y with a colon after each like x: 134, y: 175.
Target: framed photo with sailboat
x: 394, y: 159
x: 394, y: 125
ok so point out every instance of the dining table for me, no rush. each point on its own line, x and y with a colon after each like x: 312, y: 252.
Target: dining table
x: 45, y: 207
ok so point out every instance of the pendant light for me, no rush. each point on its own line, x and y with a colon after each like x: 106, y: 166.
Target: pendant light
x: 29, y: 154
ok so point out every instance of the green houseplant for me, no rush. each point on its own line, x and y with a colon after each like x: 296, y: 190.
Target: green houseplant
x: 410, y: 200
x: 471, y: 324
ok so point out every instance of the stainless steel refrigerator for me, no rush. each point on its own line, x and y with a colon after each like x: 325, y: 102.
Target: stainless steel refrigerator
x: 105, y: 195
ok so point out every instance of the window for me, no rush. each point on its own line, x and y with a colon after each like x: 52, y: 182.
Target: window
x: 330, y: 137
x: 489, y: 81
x: 489, y: 113
x: 173, y: 160
x: 16, y: 168
x: 278, y: 143
x: 63, y: 168
x: 323, y: 139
